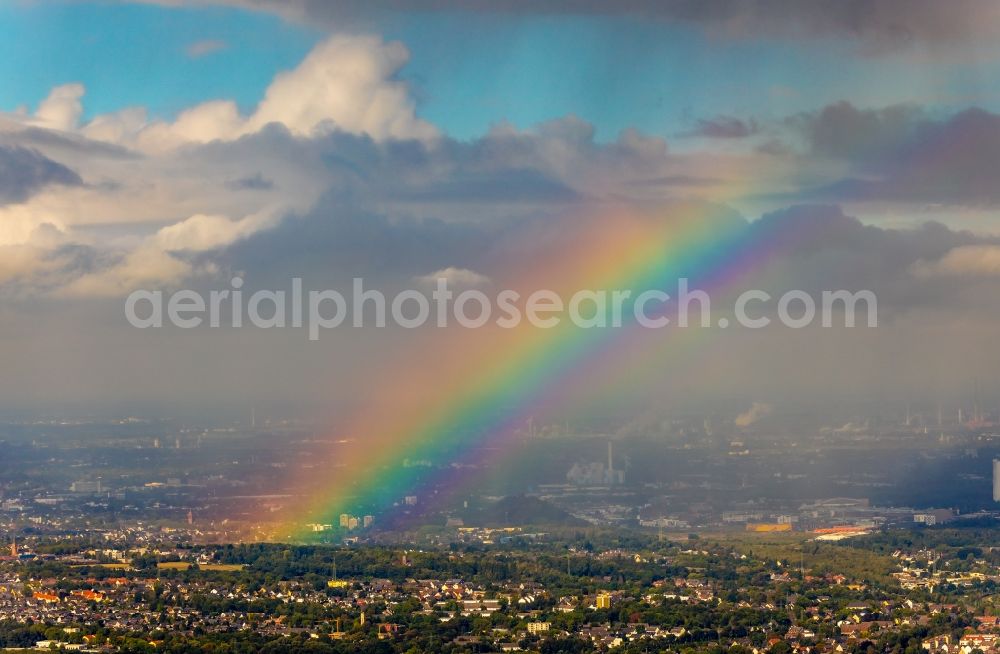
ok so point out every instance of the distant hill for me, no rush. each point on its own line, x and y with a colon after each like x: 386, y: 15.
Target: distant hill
x: 515, y: 510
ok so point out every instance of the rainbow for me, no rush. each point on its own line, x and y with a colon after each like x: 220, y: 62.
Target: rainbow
x: 460, y: 394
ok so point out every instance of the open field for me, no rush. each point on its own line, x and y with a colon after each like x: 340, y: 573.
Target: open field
x: 208, y: 567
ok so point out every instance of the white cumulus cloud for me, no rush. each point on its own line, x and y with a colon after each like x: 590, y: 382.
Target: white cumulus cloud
x: 345, y: 82
x: 61, y: 109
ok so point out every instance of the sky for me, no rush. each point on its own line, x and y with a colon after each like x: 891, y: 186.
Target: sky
x: 471, y: 70
x: 175, y: 144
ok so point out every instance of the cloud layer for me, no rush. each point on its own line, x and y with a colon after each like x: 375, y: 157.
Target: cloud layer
x: 333, y: 174
x: 878, y: 26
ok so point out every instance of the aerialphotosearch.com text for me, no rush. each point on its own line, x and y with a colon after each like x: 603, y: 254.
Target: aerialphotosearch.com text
x: 473, y: 308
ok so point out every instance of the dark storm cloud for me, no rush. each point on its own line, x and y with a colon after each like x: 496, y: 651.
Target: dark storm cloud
x: 336, y: 241
x: 24, y: 171
x: 826, y: 249
x: 557, y: 163
x: 531, y: 187
x: 814, y: 248
x: 842, y: 130
x: 724, y: 127
x: 65, y: 142
x: 897, y: 157
x: 877, y: 25
x: 403, y: 208
x: 255, y: 182
x: 674, y: 180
